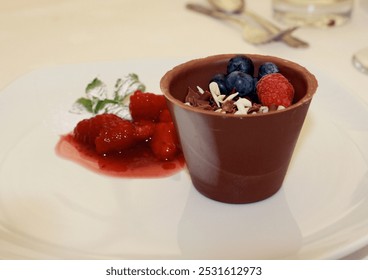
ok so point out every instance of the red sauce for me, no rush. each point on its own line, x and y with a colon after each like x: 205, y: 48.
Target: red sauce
x: 138, y: 162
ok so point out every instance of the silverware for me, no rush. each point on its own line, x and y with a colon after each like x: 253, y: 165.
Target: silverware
x: 238, y: 7
x: 250, y: 33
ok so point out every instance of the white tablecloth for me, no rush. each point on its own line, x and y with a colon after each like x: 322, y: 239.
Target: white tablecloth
x: 40, y: 33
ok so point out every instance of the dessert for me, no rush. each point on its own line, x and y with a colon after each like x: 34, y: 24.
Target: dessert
x: 110, y: 134
x: 237, y: 158
x: 141, y: 144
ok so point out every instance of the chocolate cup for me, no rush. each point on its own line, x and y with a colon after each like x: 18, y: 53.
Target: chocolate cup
x: 236, y: 158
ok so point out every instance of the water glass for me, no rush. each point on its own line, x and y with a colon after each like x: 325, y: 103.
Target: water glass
x: 313, y: 12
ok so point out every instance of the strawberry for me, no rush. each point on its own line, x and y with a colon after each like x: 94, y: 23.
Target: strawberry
x: 143, y: 130
x: 152, y: 123
x: 164, y: 143
x: 106, y: 133
x: 87, y: 130
x: 83, y: 132
x: 115, y: 138
x: 274, y: 90
x: 165, y: 116
x: 146, y: 106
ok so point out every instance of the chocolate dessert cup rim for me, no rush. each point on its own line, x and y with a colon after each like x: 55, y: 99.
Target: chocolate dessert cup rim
x: 310, y: 79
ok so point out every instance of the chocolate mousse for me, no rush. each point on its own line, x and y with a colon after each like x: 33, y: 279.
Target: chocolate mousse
x: 236, y: 158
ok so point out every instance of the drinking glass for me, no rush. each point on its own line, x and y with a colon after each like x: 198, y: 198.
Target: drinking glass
x: 313, y: 12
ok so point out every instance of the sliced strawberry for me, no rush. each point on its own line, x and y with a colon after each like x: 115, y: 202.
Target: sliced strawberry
x: 164, y: 142
x: 105, y: 132
x: 83, y: 132
x: 146, y: 106
x: 87, y: 130
x: 152, y: 123
x: 143, y: 130
x: 165, y: 116
x: 103, y: 120
x: 115, y: 138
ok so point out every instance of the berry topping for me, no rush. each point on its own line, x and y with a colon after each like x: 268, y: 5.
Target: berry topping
x: 245, y: 93
x: 240, y: 82
x: 220, y: 79
x: 267, y: 68
x: 275, y: 90
x: 241, y: 63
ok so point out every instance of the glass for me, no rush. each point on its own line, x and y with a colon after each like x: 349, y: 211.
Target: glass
x: 316, y: 12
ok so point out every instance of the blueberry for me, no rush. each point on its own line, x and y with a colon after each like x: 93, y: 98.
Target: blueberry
x: 240, y: 63
x: 241, y: 82
x: 254, y: 97
x: 267, y: 68
x: 220, y: 79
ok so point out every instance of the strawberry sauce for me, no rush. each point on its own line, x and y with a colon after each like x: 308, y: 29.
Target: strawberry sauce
x: 137, y: 162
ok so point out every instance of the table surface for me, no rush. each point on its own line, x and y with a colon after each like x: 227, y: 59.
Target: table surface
x: 36, y: 34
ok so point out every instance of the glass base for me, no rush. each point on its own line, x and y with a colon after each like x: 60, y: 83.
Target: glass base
x: 322, y: 14
x: 327, y: 20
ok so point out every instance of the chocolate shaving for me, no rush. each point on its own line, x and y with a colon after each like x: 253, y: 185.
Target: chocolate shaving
x: 229, y: 107
x: 192, y: 96
x: 255, y: 108
x: 207, y: 96
x: 199, y: 100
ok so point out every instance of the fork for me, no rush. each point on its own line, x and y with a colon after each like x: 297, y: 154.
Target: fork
x: 250, y: 34
x: 289, y: 39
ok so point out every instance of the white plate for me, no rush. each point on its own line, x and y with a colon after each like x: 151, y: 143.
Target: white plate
x: 53, y: 208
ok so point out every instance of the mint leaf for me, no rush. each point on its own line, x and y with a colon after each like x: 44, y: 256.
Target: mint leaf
x: 84, y: 104
x: 96, y: 100
x: 100, y: 105
x: 96, y: 90
x: 119, y: 110
x: 124, y: 88
x: 95, y: 83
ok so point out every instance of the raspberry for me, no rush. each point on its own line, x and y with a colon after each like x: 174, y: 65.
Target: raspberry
x: 275, y: 89
x: 146, y: 106
x: 164, y: 143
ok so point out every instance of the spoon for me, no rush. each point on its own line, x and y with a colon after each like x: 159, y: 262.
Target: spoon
x: 250, y: 34
x: 360, y: 60
x: 238, y: 7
